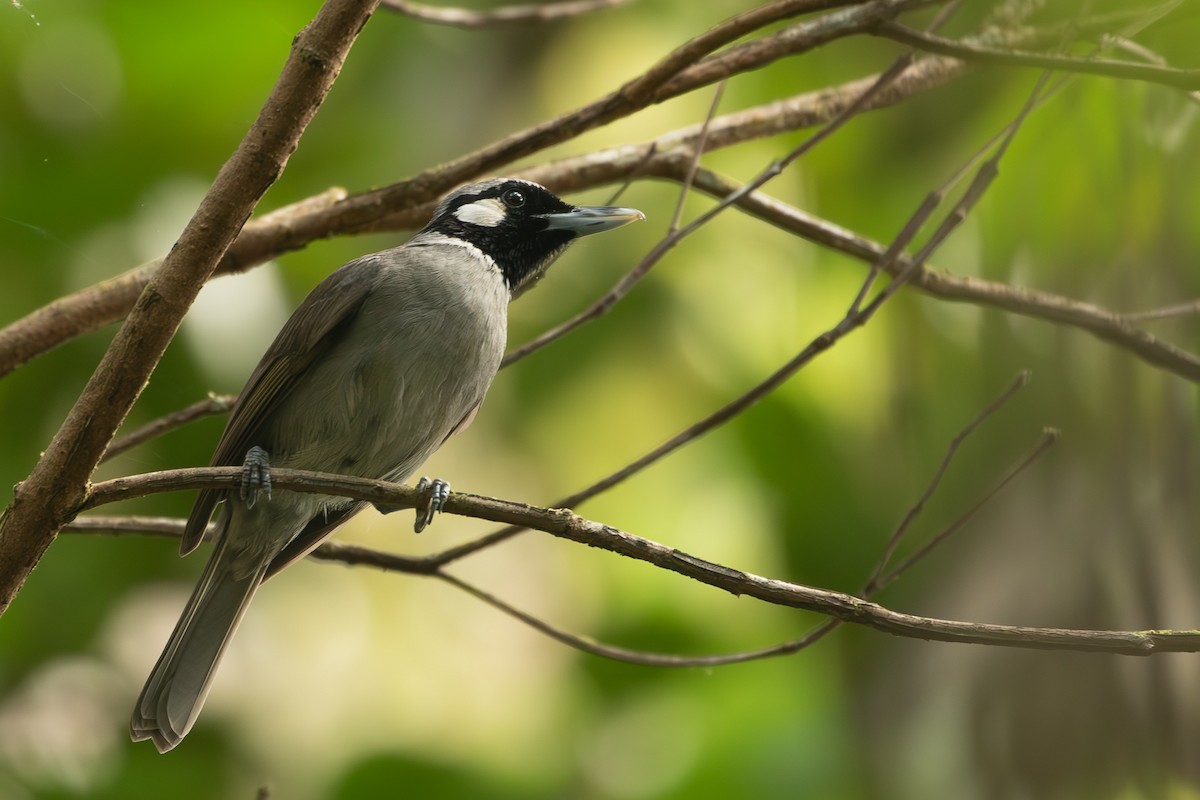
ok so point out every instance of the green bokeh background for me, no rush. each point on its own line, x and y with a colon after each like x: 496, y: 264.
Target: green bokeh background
x: 348, y: 683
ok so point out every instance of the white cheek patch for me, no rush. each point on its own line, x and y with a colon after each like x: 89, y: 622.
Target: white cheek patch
x: 489, y: 213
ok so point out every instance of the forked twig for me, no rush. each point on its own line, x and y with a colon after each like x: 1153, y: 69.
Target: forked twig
x: 873, y: 583
x: 1048, y: 438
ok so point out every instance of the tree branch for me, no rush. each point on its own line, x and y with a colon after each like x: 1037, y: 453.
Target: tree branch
x: 1187, y: 79
x: 1103, y: 323
x: 209, y: 406
x: 676, y: 234
x: 92, y: 308
x: 46, y: 499
x: 565, y: 524
x: 433, y: 565
x: 504, y: 16
x: 406, y: 204
x: 1048, y: 439
x: 673, y: 75
x: 874, y: 583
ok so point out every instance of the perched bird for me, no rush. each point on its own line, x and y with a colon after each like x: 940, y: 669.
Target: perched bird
x: 381, y: 363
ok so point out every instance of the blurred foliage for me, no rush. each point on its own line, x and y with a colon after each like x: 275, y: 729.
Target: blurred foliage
x: 345, y: 683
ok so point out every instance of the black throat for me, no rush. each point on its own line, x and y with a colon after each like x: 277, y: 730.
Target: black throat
x: 505, y: 220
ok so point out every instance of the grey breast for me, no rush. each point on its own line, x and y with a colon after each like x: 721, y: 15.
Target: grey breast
x: 417, y: 358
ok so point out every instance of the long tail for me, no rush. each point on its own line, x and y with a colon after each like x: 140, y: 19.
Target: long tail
x: 175, y: 690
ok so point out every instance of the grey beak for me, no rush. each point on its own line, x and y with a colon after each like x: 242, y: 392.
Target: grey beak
x: 592, y: 219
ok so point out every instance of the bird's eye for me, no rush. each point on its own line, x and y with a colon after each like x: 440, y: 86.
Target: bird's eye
x: 513, y: 198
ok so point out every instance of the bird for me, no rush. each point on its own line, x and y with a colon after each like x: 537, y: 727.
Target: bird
x: 383, y: 361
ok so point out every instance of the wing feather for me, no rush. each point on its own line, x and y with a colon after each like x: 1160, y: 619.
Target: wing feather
x: 311, y: 330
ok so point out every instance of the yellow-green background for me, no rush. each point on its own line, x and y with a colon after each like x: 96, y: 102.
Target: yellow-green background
x: 349, y: 683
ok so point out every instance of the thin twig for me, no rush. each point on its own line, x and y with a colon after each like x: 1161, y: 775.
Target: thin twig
x: 500, y: 17
x: 1049, y: 438
x: 1187, y: 79
x: 641, y: 657
x: 131, y: 525
x: 701, y: 143
x: 1166, y: 312
x: 675, y: 235
x: 1102, y: 323
x: 209, y: 406
x: 873, y: 584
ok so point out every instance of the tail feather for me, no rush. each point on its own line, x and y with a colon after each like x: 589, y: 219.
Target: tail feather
x: 179, y: 682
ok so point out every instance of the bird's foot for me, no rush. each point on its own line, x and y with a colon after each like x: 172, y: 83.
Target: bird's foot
x: 438, y: 490
x: 256, y: 476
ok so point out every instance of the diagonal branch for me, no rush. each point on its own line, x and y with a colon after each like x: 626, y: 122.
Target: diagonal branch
x: 676, y: 234
x: 1110, y: 326
x: 673, y: 75
x: 1048, y: 438
x: 46, y: 500
x: 406, y: 204
x: 855, y: 317
x: 874, y: 583
x: 209, y: 406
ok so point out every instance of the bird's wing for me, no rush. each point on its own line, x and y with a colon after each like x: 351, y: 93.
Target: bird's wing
x: 310, y: 331
x: 315, y: 532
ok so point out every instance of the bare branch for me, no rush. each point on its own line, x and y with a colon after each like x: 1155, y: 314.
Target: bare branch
x: 671, y: 76
x: 407, y: 204
x: 500, y: 17
x: 169, y: 527
x: 640, y: 657
x: 1049, y: 438
x: 1166, y: 312
x: 676, y: 234
x: 698, y: 152
x: 209, y: 406
x: 46, y: 499
x: 565, y: 524
x: 92, y: 308
x: 1101, y: 322
x: 433, y: 565
x: 1187, y: 79
x: 873, y: 583
x: 354, y: 555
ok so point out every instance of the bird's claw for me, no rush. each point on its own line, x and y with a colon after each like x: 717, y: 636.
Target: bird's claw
x: 256, y: 476
x: 438, y: 490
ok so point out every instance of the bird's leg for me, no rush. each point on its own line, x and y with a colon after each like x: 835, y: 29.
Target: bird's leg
x: 256, y: 476
x: 438, y: 490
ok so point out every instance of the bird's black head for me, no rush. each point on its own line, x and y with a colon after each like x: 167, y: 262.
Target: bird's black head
x: 520, y: 226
